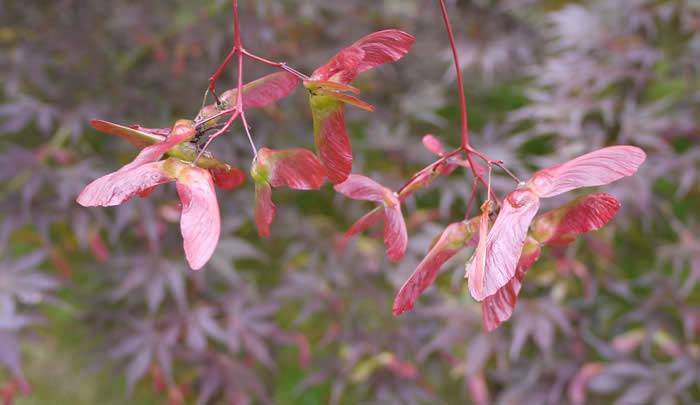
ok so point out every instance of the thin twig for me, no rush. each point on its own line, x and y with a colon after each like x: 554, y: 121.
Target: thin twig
x: 213, y: 117
x: 282, y: 65
x: 216, y: 135
x: 470, y: 201
x: 238, y: 110
x: 431, y: 166
x: 458, y: 70
x: 215, y: 77
x: 250, y: 137
x: 490, y: 161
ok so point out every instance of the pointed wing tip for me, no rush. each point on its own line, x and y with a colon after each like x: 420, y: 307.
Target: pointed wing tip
x: 474, y: 291
x: 641, y: 156
x: 82, y: 200
x: 395, y: 259
x: 400, y: 308
x: 400, y: 35
x: 432, y: 144
x: 489, y: 327
x: 98, y: 122
x: 83, y: 203
x: 478, y: 292
x: 265, y: 209
x: 89, y: 198
x: 404, y: 34
x: 489, y: 319
x: 610, y: 204
x: 198, y: 255
x: 88, y: 203
x: 395, y: 253
x: 405, y: 299
x: 198, y: 258
x: 636, y: 149
x: 492, y: 318
x: 200, y: 220
x: 477, y: 295
x: 637, y: 157
x: 195, y: 265
x: 395, y: 234
x: 102, y: 125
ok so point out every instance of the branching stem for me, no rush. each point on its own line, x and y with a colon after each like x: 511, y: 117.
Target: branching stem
x: 238, y: 51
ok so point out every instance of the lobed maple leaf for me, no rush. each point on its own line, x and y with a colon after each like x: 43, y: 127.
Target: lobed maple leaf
x: 146, y: 342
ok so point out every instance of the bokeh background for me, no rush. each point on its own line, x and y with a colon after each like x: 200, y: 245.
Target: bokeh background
x: 97, y: 306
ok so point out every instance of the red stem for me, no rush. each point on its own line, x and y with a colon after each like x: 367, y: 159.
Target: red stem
x: 431, y: 166
x: 238, y: 109
x: 236, y: 27
x: 470, y: 201
x: 218, y: 133
x: 478, y: 177
x: 489, y: 161
x: 463, y: 105
x: 458, y: 70
x: 238, y: 50
x: 238, y: 43
x: 213, y: 79
x: 280, y: 65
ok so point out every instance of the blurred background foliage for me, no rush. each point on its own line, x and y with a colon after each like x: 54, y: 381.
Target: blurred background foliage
x: 97, y: 305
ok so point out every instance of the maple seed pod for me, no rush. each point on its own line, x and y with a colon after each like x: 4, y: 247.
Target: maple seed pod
x: 507, y: 237
x: 584, y: 214
x: 297, y: 168
x: 225, y: 176
x: 200, y: 222
x: 363, y: 188
x: 453, y: 239
x: 327, y: 84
